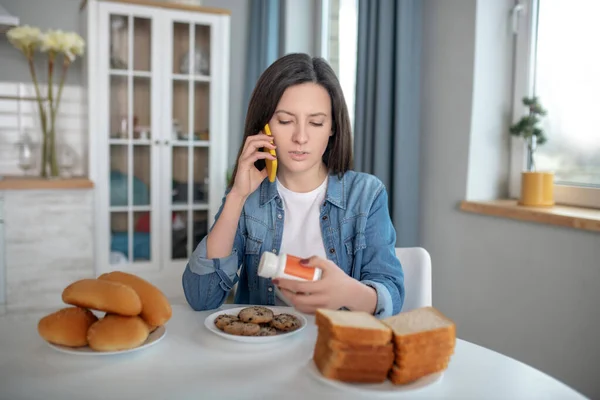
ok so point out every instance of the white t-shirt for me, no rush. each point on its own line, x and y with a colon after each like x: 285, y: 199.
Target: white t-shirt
x: 301, y: 226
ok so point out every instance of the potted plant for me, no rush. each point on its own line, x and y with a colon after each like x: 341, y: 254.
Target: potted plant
x: 57, y: 44
x: 537, y: 188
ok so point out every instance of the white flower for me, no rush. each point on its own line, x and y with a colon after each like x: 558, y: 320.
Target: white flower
x: 77, y: 43
x: 68, y: 43
x: 25, y: 38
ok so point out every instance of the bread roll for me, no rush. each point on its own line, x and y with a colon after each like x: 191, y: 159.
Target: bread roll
x: 67, y: 326
x: 103, y: 295
x: 156, y: 309
x: 116, y: 333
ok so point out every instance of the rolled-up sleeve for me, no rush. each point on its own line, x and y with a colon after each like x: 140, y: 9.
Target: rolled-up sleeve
x: 207, y: 281
x: 385, y: 304
x: 381, y: 269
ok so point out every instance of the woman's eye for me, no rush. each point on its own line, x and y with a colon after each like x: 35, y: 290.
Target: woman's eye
x: 284, y: 122
x: 316, y: 124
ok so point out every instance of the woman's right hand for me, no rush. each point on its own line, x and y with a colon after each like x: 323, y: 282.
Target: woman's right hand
x: 248, y: 177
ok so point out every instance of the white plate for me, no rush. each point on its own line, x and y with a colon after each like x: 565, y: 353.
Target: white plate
x: 153, y: 338
x: 372, y: 388
x: 209, y: 322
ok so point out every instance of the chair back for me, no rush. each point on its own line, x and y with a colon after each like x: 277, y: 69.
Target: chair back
x: 416, y: 264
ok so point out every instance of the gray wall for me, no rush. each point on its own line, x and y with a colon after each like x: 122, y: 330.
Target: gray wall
x: 45, y: 14
x: 526, y: 290
x: 64, y: 14
x: 300, y: 26
x: 240, y: 15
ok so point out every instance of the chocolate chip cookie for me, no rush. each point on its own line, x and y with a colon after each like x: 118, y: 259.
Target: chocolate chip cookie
x: 240, y: 328
x: 267, y: 331
x: 225, y: 319
x: 285, y: 322
x: 256, y: 315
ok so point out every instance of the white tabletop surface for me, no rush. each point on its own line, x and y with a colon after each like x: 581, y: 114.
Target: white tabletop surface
x: 190, y: 362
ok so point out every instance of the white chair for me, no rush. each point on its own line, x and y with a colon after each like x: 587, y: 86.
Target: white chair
x: 416, y: 264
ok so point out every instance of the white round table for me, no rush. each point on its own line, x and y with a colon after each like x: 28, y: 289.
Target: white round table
x: 191, y: 362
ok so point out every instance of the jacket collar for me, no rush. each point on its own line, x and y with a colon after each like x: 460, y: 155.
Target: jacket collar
x: 335, y: 191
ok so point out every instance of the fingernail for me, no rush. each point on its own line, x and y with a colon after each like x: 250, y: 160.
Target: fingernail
x: 276, y: 282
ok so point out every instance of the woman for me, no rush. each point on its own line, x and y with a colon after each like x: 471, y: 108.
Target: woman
x: 318, y: 209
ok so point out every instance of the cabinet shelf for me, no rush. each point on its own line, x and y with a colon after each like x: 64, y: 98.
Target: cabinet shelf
x: 193, y: 143
x: 192, y: 207
x: 195, y: 78
x: 120, y: 209
x: 135, y: 142
x: 135, y: 74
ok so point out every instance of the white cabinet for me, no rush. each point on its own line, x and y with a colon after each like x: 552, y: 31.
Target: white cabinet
x: 158, y: 121
x: 2, y: 255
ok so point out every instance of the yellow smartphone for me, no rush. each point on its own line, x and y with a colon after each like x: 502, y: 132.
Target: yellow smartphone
x: 271, y: 164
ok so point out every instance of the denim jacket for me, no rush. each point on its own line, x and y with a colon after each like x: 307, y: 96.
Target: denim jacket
x: 357, y: 233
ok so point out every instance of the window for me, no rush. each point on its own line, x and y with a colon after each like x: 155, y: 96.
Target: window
x: 339, y: 41
x: 557, y: 60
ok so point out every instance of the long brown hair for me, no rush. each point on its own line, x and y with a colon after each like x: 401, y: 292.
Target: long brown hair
x: 294, y: 69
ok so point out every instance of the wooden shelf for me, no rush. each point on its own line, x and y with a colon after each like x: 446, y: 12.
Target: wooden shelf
x: 36, y: 183
x: 571, y: 217
x: 164, y: 4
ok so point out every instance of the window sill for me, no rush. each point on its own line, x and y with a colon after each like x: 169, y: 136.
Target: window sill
x: 36, y: 183
x: 572, y: 217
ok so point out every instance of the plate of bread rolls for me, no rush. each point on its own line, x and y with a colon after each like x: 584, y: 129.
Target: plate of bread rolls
x: 405, y: 352
x: 116, y: 313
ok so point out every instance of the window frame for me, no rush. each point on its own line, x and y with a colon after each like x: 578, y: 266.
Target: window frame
x: 525, y: 24
x: 323, y: 41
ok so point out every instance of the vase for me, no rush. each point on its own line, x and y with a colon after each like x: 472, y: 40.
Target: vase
x: 49, y: 167
x: 26, y: 154
x: 66, y: 160
x: 537, y: 189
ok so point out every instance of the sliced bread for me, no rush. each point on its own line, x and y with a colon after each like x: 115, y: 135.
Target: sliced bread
x: 424, y: 325
x: 338, y: 345
x: 401, y: 376
x: 354, y: 360
x: 358, y: 328
x: 330, y: 368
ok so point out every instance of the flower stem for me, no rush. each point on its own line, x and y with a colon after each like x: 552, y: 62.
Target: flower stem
x: 54, y: 111
x: 43, y: 120
x: 52, y: 145
x: 61, y: 84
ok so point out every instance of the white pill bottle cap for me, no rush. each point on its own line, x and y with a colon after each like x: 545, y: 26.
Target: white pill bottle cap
x: 269, y: 265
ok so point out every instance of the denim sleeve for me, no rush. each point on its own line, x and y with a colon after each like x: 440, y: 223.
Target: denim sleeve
x: 381, y: 269
x: 207, y: 282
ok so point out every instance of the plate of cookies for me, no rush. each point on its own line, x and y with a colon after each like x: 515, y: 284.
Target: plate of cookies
x: 116, y: 313
x: 256, y: 324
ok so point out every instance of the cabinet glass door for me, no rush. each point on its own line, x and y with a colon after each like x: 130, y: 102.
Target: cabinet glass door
x: 130, y: 138
x: 190, y: 82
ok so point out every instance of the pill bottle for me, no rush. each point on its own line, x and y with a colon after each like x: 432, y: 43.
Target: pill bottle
x: 286, y: 266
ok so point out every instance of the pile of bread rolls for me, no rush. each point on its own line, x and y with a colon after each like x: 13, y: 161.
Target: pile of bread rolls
x: 133, y: 308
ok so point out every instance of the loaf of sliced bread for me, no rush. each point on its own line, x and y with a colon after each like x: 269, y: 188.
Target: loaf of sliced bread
x: 357, y: 328
x: 424, y: 341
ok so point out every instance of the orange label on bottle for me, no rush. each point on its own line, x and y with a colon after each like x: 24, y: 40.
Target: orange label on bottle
x: 294, y: 268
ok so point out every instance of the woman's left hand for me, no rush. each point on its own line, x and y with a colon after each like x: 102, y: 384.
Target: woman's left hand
x: 333, y: 291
